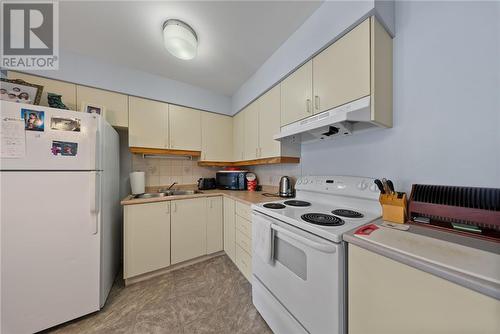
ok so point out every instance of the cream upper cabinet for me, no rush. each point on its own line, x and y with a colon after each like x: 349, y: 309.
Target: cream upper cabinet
x: 216, y: 137
x: 148, y: 123
x: 229, y: 228
x: 251, y: 114
x: 188, y: 229
x: 66, y: 89
x: 341, y: 73
x: 238, y: 136
x: 146, y: 234
x: 296, y: 95
x: 394, y: 293
x: 185, y: 128
x: 269, y: 123
x: 115, y: 104
x: 215, y: 225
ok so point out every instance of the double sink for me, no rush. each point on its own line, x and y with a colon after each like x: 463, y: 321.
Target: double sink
x: 164, y: 193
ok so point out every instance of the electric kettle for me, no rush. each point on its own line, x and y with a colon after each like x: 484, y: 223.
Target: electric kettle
x: 285, y: 188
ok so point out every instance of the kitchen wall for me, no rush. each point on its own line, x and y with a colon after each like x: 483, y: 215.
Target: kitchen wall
x: 446, y: 104
x: 100, y: 74
x: 163, y: 172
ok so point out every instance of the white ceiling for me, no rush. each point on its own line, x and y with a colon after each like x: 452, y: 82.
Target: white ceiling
x: 235, y: 37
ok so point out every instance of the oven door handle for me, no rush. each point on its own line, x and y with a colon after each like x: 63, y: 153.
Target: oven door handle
x: 323, y: 247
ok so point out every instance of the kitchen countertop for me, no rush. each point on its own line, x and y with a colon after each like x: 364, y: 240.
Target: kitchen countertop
x: 247, y: 197
x: 469, y: 262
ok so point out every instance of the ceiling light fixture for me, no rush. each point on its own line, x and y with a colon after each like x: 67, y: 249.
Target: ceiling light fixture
x: 180, y: 39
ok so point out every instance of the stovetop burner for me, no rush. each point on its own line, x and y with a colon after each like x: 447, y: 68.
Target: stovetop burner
x: 322, y: 219
x: 274, y: 206
x: 295, y: 202
x: 347, y: 213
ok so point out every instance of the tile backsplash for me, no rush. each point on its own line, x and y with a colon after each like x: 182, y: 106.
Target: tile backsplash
x: 163, y: 172
x: 270, y: 174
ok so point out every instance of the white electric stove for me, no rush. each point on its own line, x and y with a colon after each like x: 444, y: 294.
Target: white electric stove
x: 298, y: 257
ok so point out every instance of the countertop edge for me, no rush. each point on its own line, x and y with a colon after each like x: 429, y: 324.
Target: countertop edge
x: 479, y: 285
x: 130, y: 201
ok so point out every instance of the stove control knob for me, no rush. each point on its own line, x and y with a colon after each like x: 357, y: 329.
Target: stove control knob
x: 306, y: 181
x: 362, y: 185
x: 299, y: 181
x: 374, y: 188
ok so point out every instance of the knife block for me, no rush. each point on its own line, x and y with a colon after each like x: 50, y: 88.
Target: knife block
x: 393, y: 208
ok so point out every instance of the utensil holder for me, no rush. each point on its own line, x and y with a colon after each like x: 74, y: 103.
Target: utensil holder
x: 393, y: 208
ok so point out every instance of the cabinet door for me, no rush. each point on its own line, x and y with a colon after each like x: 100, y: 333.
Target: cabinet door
x: 115, y: 104
x: 269, y: 123
x: 238, y: 136
x: 251, y: 114
x: 229, y: 228
x: 296, y: 95
x: 342, y: 72
x: 66, y: 89
x: 148, y: 121
x: 185, y: 128
x: 217, y: 137
x: 394, y: 293
x: 189, y: 229
x: 214, y: 225
x: 146, y: 238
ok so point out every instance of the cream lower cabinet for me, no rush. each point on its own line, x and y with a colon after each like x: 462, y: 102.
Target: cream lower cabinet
x: 189, y: 229
x: 115, y: 104
x: 66, y: 89
x: 238, y: 235
x: 215, y: 225
x: 146, y: 238
x: 216, y: 137
x: 388, y: 297
x: 184, y: 128
x: 229, y: 228
x: 148, y: 123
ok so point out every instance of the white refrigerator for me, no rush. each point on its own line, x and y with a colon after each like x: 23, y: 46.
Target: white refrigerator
x: 59, y: 224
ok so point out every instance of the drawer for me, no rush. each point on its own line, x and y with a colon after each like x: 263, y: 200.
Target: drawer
x: 243, y: 210
x: 244, y: 262
x: 244, y: 226
x: 244, y: 241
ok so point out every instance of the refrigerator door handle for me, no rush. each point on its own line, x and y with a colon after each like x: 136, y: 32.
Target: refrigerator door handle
x: 95, y: 199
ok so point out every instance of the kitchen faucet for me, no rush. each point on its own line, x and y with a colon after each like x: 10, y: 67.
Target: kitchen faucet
x: 173, y: 184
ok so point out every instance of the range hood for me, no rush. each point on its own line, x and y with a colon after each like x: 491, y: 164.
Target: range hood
x: 339, y: 121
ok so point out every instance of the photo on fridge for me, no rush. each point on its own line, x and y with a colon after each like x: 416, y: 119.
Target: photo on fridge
x: 64, y: 148
x: 33, y: 120
x: 65, y: 124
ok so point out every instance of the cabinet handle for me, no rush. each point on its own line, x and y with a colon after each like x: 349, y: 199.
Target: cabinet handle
x: 316, y: 102
x: 308, y: 106
x: 168, y: 207
x: 210, y: 201
x: 175, y: 207
x: 260, y: 152
x: 257, y: 152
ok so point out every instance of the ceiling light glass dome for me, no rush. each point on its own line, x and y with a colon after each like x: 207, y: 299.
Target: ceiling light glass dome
x: 180, y: 39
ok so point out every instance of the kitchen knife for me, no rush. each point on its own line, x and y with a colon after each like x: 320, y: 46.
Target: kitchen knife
x: 391, y: 186
x: 380, y: 186
x: 386, y: 187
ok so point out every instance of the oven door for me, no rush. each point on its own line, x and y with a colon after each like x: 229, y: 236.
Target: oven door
x: 305, y: 277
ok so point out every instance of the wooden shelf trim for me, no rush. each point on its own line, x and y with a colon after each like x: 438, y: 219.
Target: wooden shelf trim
x: 263, y: 161
x: 161, y: 151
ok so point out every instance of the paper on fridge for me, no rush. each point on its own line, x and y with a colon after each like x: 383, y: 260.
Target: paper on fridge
x: 13, y: 138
